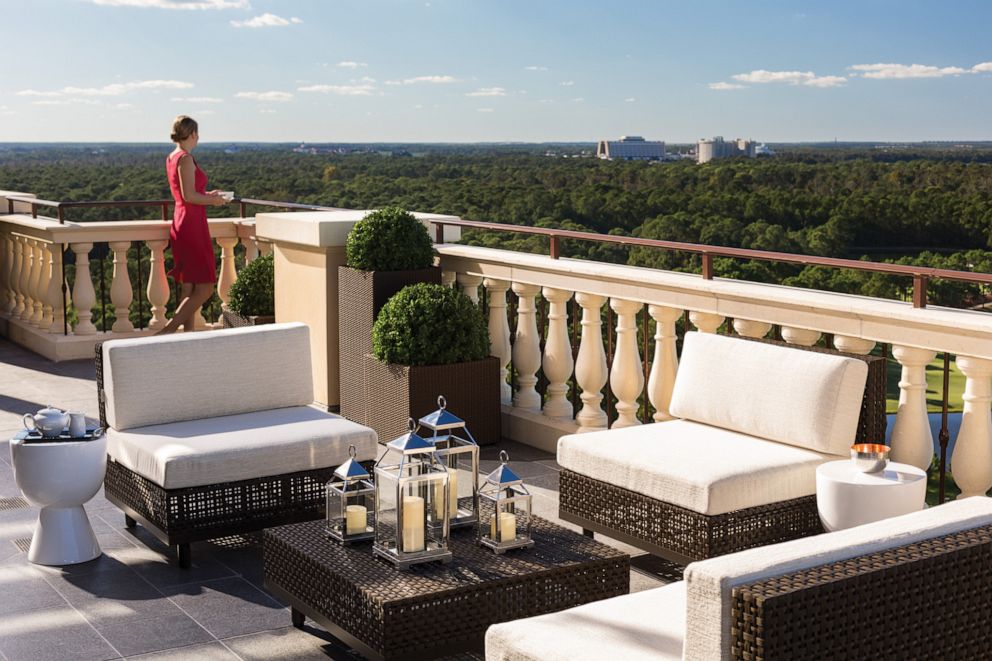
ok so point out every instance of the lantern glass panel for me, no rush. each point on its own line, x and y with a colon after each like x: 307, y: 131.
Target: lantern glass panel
x: 461, y: 459
x: 350, y: 510
x: 406, y: 496
x: 505, y: 518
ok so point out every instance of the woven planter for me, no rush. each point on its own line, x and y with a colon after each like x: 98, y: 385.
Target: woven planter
x: 235, y: 320
x: 395, y: 393
x: 361, y: 294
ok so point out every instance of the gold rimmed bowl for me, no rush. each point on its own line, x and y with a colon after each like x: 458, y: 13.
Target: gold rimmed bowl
x: 870, y: 457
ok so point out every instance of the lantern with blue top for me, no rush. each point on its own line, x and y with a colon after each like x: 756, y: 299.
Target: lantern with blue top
x: 458, y: 452
x: 504, y: 510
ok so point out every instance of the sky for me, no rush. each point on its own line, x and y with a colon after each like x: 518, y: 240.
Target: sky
x: 496, y: 70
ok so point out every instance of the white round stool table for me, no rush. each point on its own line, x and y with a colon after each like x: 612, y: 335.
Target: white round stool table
x: 847, y: 497
x: 59, y: 477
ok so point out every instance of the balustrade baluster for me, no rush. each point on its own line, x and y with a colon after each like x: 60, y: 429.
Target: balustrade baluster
x: 158, y: 283
x: 753, y: 329
x: 37, y: 295
x: 27, y: 265
x: 251, y: 248
x: 121, y: 293
x: 499, y: 334
x: 44, y: 289
x: 469, y: 285
x: 803, y: 337
x: 912, y: 440
x: 55, y: 291
x: 971, y: 462
x: 661, y: 382
x: 448, y: 278
x: 227, y: 270
x: 16, y: 273
x: 9, y: 300
x: 590, y: 366
x: 706, y: 322
x: 557, y: 362
x: 526, y: 348
x: 626, y: 377
x: 264, y: 247
x: 857, y: 345
x: 83, y: 294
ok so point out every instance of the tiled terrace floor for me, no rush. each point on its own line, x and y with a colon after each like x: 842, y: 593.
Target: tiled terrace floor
x: 134, y: 602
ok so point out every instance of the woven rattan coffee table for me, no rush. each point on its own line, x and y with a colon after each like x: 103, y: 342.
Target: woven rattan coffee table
x: 434, y: 609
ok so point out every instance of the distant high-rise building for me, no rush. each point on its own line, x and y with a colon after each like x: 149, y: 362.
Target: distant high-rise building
x: 631, y: 148
x: 708, y: 149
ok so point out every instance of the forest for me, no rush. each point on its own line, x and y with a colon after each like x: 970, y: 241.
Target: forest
x: 928, y: 205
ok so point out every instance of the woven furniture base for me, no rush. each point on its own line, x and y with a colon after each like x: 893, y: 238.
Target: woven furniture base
x: 676, y: 533
x: 928, y: 600
x: 181, y: 516
x: 235, y: 320
x: 361, y: 294
x: 435, y: 609
x: 395, y: 393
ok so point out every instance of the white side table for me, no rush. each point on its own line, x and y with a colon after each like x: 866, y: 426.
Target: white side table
x: 846, y: 497
x: 59, y: 477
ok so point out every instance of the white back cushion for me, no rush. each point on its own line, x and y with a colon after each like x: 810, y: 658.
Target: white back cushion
x: 188, y: 376
x: 709, y: 583
x: 803, y: 398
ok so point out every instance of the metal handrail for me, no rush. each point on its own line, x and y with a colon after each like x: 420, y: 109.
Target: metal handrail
x: 921, y: 274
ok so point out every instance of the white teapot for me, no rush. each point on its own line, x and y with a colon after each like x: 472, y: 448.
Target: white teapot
x: 49, y: 421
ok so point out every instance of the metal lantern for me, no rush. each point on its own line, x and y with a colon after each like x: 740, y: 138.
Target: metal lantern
x: 350, y: 502
x: 453, y: 443
x: 504, y: 510
x: 411, y: 487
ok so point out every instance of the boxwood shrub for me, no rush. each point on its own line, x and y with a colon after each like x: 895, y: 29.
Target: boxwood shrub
x: 427, y: 324
x: 389, y: 239
x: 253, y: 292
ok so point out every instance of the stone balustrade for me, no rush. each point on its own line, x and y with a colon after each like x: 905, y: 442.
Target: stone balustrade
x: 34, y: 296
x: 628, y: 297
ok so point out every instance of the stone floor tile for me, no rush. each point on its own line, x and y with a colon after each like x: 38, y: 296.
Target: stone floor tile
x: 52, y: 634
x: 24, y: 588
x: 229, y: 607
x: 167, y: 629
x: 308, y: 644
x: 215, y: 651
x: 162, y: 570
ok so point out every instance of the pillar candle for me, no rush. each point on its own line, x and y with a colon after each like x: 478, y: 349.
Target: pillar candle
x: 413, y: 523
x: 357, y: 519
x: 453, y: 499
x: 507, y: 527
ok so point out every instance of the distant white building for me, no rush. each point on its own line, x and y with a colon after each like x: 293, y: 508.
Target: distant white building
x: 631, y: 148
x: 708, y: 149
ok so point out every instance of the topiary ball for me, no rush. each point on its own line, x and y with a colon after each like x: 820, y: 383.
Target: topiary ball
x: 253, y: 292
x: 389, y: 239
x: 428, y: 324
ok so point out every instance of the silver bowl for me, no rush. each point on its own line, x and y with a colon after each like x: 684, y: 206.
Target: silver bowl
x: 870, y: 457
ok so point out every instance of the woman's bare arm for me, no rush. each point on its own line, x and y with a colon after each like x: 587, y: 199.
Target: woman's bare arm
x: 187, y: 186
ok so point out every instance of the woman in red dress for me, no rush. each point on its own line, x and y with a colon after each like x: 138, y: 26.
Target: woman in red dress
x: 192, y: 250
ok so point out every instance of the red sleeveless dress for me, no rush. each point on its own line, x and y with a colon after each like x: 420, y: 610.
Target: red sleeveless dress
x: 192, y: 249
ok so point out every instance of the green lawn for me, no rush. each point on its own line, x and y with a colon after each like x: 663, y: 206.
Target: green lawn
x: 935, y: 384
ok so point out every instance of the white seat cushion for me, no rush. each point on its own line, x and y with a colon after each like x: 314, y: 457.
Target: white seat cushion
x: 701, y: 468
x: 647, y: 626
x: 168, y: 378
x: 709, y: 582
x: 240, y: 447
x: 803, y: 398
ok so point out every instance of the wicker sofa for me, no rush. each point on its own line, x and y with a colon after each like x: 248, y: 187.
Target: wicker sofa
x: 917, y: 586
x: 736, y: 469
x: 214, y: 434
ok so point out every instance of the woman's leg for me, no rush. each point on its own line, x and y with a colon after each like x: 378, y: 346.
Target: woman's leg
x: 194, y: 295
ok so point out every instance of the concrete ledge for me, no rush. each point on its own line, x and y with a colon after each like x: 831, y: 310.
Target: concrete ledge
x: 536, y: 429
x: 57, y: 347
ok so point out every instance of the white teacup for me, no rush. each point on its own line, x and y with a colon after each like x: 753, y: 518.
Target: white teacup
x: 227, y: 194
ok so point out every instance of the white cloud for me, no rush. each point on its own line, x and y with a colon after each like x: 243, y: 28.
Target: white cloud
x: 266, y: 20
x: 578, y: 99
x: 342, y: 90
x: 114, y: 89
x: 196, y: 99
x: 267, y: 111
x: 535, y: 67
x: 721, y: 86
x: 176, y: 4
x: 488, y: 91
x: 431, y: 80
x: 762, y: 76
x: 67, y: 102
x: 4, y: 110
x: 348, y: 64
x: 629, y: 99
x: 894, y: 71
x: 484, y: 110
x: 983, y: 67
x: 123, y: 106
x: 567, y: 83
x: 205, y: 111
x: 279, y: 97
